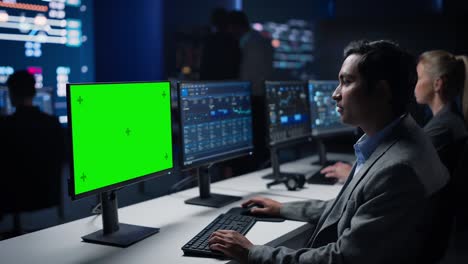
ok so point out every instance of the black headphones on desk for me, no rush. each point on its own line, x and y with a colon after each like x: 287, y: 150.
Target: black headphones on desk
x: 293, y: 181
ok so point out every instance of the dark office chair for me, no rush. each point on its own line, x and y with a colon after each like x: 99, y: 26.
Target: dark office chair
x: 31, y: 168
x: 451, y: 235
x: 32, y: 194
x: 457, y: 250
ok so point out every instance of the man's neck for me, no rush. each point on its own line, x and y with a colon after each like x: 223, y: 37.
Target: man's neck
x: 377, y: 124
x: 25, y: 103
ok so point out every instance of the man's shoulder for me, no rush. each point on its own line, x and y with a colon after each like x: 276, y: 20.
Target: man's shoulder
x: 257, y: 40
x: 37, y: 119
x: 52, y: 121
x: 413, y: 143
x: 46, y: 118
x: 415, y: 151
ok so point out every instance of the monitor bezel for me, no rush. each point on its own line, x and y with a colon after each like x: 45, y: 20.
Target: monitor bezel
x: 71, y: 183
x: 197, y: 164
x: 331, y: 132
x: 294, y: 140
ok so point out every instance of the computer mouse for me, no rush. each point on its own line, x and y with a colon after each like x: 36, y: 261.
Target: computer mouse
x: 246, y: 210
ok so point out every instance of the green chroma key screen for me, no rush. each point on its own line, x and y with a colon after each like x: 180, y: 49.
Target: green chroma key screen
x: 120, y: 132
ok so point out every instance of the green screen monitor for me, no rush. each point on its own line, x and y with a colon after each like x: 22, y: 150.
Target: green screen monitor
x: 121, y: 134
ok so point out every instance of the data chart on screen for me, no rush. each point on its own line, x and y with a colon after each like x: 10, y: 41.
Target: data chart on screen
x: 216, y: 121
x: 288, y: 110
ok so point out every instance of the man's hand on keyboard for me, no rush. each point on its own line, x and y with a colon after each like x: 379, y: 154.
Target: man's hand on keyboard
x: 231, y: 243
x: 264, y: 206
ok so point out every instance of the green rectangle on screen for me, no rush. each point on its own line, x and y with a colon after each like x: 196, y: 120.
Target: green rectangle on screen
x: 120, y: 132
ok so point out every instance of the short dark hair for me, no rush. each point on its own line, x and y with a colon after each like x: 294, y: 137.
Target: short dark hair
x: 219, y: 18
x: 385, y: 60
x: 239, y: 18
x: 21, y: 84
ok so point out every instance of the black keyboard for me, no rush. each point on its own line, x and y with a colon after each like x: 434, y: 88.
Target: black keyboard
x: 198, y: 246
x: 319, y: 178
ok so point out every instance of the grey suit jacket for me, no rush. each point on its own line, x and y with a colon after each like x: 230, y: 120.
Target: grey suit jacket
x: 383, y: 213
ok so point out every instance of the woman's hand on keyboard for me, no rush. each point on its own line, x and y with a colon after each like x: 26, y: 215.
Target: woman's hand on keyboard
x: 339, y: 170
x: 262, y: 205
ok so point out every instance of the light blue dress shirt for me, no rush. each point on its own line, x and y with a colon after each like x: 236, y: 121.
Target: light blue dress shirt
x: 366, y: 145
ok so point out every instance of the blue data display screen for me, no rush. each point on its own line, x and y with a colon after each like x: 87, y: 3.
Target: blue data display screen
x: 288, y: 110
x: 325, y: 118
x: 53, y: 40
x: 216, y: 121
x: 3, y: 101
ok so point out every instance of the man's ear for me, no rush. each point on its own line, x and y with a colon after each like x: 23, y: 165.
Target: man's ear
x: 384, y: 89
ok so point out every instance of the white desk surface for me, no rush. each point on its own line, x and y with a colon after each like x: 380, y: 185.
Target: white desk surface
x: 253, y: 182
x: 179, y: 222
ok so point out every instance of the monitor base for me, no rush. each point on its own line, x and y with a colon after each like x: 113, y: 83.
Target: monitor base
x: 214, y: 200
x: 124, y: 237
x: 269, y: 177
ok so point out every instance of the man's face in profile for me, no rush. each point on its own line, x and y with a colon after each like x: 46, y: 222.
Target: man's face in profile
x: 356, y: 105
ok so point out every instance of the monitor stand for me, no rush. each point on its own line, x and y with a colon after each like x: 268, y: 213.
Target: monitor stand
x: 207, y: 198
x: 274, y: 157
x: 322, y: 153
x: 291, y: 180
x: 113, y: 233
x: 319, y: 178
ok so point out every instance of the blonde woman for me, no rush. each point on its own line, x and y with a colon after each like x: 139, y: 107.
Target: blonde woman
x: 441, y: 78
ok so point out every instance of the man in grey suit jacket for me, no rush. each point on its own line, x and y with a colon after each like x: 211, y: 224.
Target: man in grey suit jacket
x: 386, y: 208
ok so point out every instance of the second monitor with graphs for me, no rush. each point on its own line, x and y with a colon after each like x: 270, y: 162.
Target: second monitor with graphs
x: 288, y: 119
x: 216, y: 125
